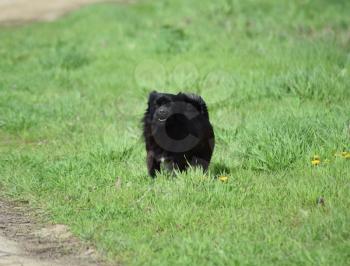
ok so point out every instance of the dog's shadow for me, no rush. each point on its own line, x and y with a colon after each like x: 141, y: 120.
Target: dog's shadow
x: 215, y: 170
x: 218, y: 169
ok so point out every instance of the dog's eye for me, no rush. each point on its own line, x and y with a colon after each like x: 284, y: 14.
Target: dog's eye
x: 162, y: 100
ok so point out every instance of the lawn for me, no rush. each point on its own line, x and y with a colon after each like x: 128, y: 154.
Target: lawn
x: 276, y: 78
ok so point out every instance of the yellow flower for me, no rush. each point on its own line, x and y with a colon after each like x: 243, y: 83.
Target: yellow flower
x: 315, y: 162
x: 223, y: 178
x: 316, y: 157
x: 343, y: 154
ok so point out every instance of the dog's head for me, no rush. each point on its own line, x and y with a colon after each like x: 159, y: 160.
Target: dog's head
x: 174, y: 119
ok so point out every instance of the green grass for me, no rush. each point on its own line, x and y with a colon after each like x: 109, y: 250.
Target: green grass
x: 277, y: 82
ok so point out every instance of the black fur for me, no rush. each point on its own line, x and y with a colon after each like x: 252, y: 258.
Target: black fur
x: 177, y: 132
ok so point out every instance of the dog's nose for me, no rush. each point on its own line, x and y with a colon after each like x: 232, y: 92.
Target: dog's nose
x: 162, y: 112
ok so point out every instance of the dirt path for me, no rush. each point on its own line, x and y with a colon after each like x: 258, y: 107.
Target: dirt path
x: 24, y: 11
x: 26, y: 239
x: 12, y: 255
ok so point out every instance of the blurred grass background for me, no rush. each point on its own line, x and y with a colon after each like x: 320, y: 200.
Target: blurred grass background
x: 276, y: 79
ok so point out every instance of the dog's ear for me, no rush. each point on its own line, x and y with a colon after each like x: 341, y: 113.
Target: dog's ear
x: 197, y: 101
x: 153, y: 96
x: 158, y: 98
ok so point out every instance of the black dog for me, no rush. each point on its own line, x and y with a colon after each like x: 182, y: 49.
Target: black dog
x: 177, y: 132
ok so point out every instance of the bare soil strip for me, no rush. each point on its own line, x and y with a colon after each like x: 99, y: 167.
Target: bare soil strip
x: 26, y: 240
x: 24, y: 11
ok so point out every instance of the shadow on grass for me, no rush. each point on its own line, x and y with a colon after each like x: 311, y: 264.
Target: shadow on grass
x: 218, y: 169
